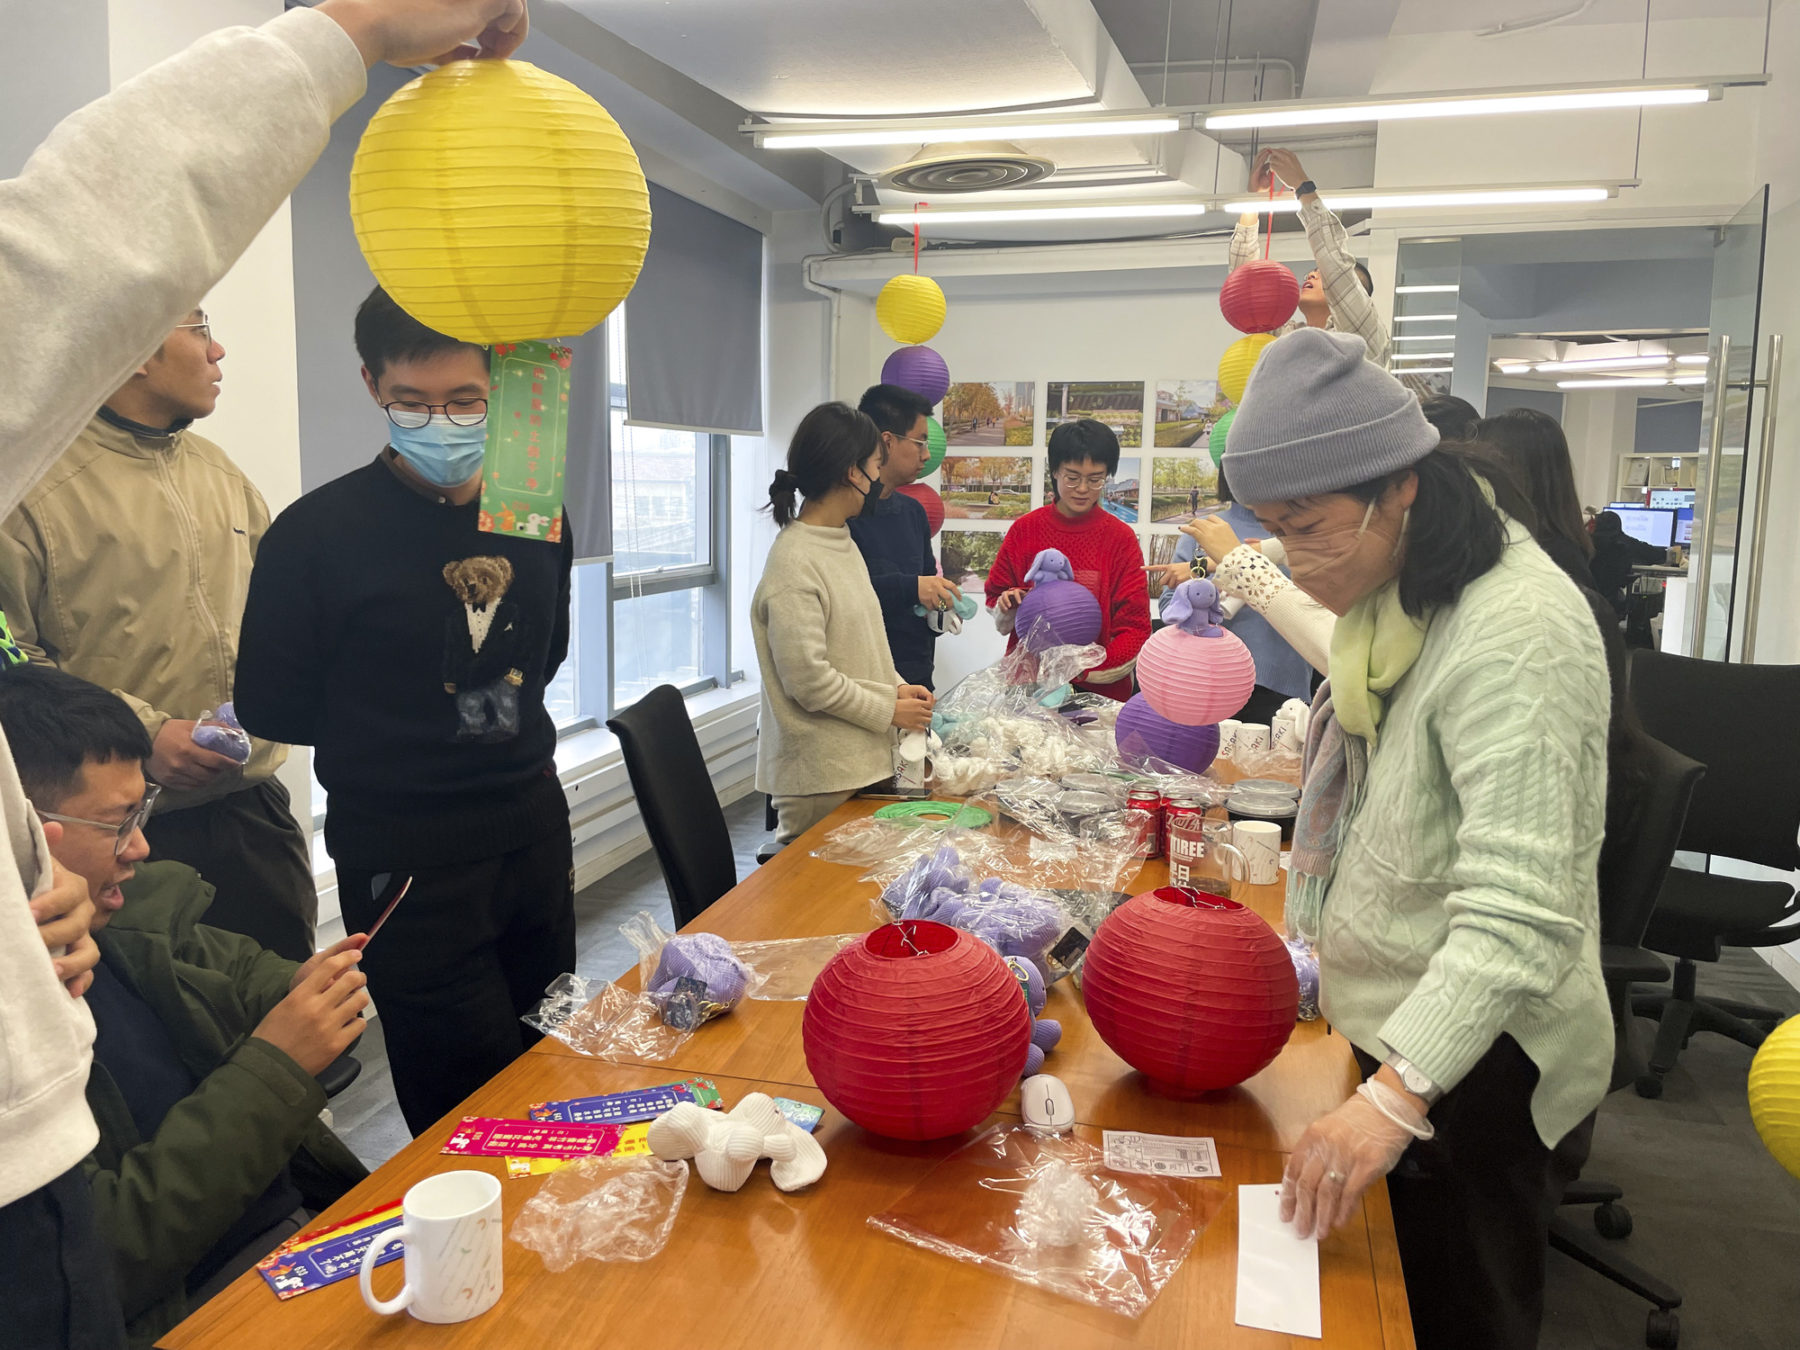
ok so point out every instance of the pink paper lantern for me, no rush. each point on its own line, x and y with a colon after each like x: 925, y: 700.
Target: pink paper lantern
x: 919, y: 369
x: 1260, y: 296
x: 926, y: 496
x: 1143, y: 732
x: 1194, y: 680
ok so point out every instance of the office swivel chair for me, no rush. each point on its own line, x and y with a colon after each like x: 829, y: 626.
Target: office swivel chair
x: 1740, y: 722
x: 675, y: 796
x: 1633, y: 862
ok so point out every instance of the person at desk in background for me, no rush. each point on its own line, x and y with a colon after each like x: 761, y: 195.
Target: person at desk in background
x: 1339, y: 292
x: 894, y: 536
x: 211, y: 1150
x: 830, y: 692
x: 411, y: 649
x: 1102, y: 549
x: 150, y: 607
x: 1445, y: 857
x: 118, y: 225
x: 1615, y: 554
x: 1282, y: 670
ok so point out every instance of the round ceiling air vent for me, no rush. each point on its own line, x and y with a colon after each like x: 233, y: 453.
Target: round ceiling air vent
x: 978, y: 166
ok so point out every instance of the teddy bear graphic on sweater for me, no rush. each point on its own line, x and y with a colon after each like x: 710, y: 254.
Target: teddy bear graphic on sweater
x: 486, y: 641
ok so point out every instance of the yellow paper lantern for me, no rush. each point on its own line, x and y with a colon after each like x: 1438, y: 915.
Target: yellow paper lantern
x: 1775, y: 1094
x: 1239, y: 360
x: 910, y: 308
x: 498, y: 203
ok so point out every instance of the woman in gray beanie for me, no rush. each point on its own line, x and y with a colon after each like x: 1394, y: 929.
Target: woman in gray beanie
x: 1444, y: 859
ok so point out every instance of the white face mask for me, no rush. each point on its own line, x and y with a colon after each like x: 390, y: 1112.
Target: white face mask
x: 1336, y: 568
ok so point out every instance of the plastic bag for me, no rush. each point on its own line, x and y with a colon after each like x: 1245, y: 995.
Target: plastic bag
x: 691, y: 978
x: 788, y: 966
x: 603, y: 1209
x: 222, y: 733
x: 604, y: 1021
x: 1048, y: 1212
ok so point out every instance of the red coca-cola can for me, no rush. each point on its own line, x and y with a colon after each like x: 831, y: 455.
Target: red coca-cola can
x: 1187, y: 846
x: 1146, y: 808
x: 1178, y: 806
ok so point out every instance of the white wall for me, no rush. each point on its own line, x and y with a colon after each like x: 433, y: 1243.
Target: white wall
x: 1601, y: 425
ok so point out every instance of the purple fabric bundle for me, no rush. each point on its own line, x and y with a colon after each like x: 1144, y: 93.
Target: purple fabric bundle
x: 705, y: 957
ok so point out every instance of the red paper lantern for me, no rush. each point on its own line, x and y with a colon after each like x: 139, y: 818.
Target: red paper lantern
x: 1260, y: 296
x: 926, y: 496
x: 917, y: 1031
x: 1193, y: 990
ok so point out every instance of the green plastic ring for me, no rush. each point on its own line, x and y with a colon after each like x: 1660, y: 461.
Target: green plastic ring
x: 951, y: 813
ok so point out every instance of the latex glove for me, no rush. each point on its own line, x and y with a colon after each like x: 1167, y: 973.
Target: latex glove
x: 1213, y: 535
x: 1342, y: 1154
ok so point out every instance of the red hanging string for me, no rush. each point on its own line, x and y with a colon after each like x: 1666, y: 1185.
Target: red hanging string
x: 1269, y: 240
x: 916, y: 206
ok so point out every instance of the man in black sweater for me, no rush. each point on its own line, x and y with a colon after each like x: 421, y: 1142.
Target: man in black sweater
x: 895, y: 537
x: 411, y: 650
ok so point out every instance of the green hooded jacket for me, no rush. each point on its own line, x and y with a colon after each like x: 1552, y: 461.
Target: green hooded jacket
x: 162, y: 1203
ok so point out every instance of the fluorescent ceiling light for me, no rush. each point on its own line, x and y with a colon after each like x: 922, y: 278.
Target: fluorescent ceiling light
x: 1427, y: 290
x: 1604, y: 363
x: 1422, y: 370
x: 1425, y: 318
x: 1693, y: 359
x: 1423, y: 356
x: 1571, y: 98
x: 948, y: 131
x: 1367, y: 199
x: 1623, y: 382
x: 1513, y: 367
x: 1689, y: 379
x: 1002, y: 215
x: 1424, y: 337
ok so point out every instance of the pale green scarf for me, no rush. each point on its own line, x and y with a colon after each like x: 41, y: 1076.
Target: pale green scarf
x: 1372, y: 648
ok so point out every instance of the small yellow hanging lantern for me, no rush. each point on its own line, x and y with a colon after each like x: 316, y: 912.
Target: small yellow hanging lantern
x: 911, y: 308
x: 1239, y: 360
x: 498, y: 203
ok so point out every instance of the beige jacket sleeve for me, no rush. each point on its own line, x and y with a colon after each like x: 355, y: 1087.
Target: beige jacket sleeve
x: 1304, y: 624
x: 136, y: 205
x: 796, y: 625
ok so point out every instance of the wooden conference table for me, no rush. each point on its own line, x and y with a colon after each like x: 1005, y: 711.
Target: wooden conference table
x: 745, y: 1269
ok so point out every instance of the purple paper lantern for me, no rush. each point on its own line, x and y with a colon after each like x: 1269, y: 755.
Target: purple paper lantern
x: 1142, y: 731
x: 1057, y: 614
x: 919, y: 369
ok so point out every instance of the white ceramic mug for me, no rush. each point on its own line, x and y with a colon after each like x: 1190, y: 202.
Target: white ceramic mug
x: 1228, y: 730
x: 1259, y: 842
x: 451, y: 1226
x: 1252, y: 739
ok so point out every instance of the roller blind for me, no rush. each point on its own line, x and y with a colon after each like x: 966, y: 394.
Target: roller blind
x: 693, y: 322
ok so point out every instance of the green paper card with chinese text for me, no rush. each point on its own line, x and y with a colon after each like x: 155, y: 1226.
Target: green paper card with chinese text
x: 527, y: 441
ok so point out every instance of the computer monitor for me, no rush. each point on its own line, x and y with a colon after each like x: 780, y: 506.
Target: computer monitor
x: 1684, y: 525
x: 1672, y: 498
x: 1647, y: 523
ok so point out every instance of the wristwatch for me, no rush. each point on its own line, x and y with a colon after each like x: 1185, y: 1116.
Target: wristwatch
x: 1414, y: 1079
x: 1306, y: 189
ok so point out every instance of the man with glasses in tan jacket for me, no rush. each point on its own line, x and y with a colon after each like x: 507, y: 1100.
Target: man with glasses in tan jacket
x: 127, y: 566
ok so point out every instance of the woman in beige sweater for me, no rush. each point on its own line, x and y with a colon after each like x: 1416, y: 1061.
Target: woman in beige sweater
x: 829, y: 689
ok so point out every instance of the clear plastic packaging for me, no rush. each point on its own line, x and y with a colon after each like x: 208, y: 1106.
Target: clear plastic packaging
x: 605, y: 1021
x: 690, y: 977
x: 603, y: 1209
x: 1047, y: 1211
x: 222, y: 733
x: 788, y: 966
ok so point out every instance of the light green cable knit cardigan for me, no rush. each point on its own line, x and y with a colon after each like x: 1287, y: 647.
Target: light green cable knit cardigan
x: 1464, y: 904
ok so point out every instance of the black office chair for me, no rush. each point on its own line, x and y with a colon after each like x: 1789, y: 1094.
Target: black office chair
x: 340, y: 1073
x: 676, y: 799
x: 1740, y: 722
x: 1633, y: 862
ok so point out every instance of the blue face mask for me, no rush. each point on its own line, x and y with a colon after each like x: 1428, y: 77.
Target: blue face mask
x: 442, y: 452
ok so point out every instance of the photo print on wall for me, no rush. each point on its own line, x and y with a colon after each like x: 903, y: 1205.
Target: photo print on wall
x: 997, y: 413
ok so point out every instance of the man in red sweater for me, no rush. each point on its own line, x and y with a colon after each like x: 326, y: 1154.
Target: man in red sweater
x: 1101, y: 548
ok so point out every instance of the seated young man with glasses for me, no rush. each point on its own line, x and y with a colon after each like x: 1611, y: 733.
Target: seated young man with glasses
x: 410, y: 649
x: 211, y: 1149
x: 127, y: 565
x: 1102, y: 550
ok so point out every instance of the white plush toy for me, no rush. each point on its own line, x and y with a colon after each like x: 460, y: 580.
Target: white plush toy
x: 726, y: 1147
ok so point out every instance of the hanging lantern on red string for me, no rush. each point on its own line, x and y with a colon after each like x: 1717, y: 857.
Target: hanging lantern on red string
x: 917, y: 1031
x: 936, y: 443
x: 1194, y: 991
x: 910, y: 308
x: 919, y: 369
x: 1260, y: 296
x: 1058, y: 611
x: 1215, y: 443
x: 926, y: 496
x: 1239, y: 361
x: 1143, y: 733
x: 1191, y: 670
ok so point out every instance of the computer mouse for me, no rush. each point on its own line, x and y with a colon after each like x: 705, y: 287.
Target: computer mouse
x: 1045, y: 1102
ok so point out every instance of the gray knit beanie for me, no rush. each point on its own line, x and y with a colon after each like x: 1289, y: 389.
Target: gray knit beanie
x: 1317, y: 417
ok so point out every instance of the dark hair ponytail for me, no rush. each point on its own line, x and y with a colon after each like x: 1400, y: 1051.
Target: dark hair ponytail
x: 831, y: 440
x: 1453, y: 532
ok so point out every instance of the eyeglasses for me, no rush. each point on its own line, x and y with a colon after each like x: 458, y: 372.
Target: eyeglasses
x: 1075, y: 480
x: 204, y: 328
x: 462, y: 412
x: 124, y: 829
x: 912, y: 440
